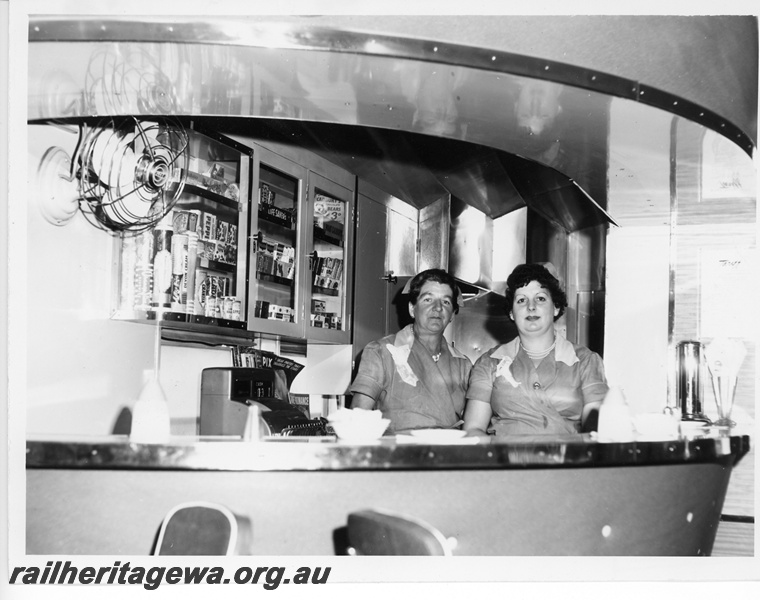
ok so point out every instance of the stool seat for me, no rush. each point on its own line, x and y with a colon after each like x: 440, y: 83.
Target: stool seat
x: 385, y: 533
x: 203, y: 529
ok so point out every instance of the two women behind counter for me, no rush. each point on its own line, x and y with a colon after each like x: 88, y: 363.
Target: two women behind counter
x: 538, y: 383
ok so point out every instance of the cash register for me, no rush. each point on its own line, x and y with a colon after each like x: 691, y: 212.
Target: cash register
x: 229, y: 393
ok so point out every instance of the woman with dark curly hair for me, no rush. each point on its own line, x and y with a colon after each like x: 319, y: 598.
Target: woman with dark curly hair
x: 539, y: 382
x: 414, y: 377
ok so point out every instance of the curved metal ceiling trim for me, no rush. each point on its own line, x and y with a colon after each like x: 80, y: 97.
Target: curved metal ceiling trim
x: 287, y: 35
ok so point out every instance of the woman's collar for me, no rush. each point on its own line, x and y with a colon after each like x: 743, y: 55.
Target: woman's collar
x: 563, y: 351
x: 405, y: 337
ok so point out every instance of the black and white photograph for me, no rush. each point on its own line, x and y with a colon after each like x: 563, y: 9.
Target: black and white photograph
x: 331, y: 299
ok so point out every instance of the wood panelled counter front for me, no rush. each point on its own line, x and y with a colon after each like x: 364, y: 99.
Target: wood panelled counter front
x: 566, y: 496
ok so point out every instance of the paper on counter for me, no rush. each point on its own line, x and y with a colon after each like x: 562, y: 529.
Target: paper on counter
x: 410, y: 439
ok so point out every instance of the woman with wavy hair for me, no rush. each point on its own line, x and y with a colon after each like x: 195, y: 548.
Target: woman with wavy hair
x: 414, y: 377
x: 539, y: 382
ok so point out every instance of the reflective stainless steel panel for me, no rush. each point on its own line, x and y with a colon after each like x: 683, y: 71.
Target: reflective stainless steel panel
x: 659, y: 60
x: 497, y: 129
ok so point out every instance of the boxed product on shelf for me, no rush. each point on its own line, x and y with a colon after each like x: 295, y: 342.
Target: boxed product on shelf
x: 264, y: 262
x: 219, y: 252
x: 328, y: 272
x: 232, y: 192
x: 229, y: 308
x: 325, y: 321
x: 206, y: 249
x: 209, y: 289
x: 194, y: 178
x: 222, y: 230
x: 261, y: 309
x: 274, y: 258
x: 216, y: 171
x: 214, y: 184
x: 162, y: 265
x: 266, y: 195
x: 267, y: 310
x: 208, y: 229
x: 185, y: 220
x: 143, y: 271
x: 202, y: 289
x: 179, y: 250
x: 230, y: 254
x: 335, y: 231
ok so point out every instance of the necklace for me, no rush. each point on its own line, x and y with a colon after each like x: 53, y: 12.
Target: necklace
x: 540, y: 353
x: 436, y: 357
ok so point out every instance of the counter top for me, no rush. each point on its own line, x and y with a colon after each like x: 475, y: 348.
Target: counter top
x: 389, y: 453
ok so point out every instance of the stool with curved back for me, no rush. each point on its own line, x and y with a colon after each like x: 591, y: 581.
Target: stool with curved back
x: 384, y: 533
x: 203, y: 529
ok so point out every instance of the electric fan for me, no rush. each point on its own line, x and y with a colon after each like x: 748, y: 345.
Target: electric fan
x: 131, y: 173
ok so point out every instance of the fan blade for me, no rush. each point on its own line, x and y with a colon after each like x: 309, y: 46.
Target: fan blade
x: 132, y: 174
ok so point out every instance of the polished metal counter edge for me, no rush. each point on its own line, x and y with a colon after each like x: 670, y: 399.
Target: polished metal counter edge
x: 313, y: 454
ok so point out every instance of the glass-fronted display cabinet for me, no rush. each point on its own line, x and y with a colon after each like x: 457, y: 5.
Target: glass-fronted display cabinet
x: 191, y: 268
x: 300, y: 243
x: 331, y: 208
x: 258, y: 243
x: 275, y: 290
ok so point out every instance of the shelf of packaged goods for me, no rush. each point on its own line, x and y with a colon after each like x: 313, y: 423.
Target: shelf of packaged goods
x: 266, y: 217
x: 278, y: 189
x: 198, y: 323
x: 322, y: 236
x: 276, y: 319
x: 215, y: 265
x: 269, y: 278
x: 323, y: 291
x: 317, y: 325
x: 200, y: 198
x: 206, y: 336
x: 201, y: 320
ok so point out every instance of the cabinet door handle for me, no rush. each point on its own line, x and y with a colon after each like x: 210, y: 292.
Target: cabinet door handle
x: 390, y: 277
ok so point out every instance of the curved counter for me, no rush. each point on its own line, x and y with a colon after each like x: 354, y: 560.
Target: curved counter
x: 319, y: 454
x: 529, y: 496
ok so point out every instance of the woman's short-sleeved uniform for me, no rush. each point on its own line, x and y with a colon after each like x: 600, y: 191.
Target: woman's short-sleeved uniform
x: 409, y: 387
x: 527, y: 399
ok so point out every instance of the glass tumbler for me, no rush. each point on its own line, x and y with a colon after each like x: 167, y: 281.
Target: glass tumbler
x: 724, y: 386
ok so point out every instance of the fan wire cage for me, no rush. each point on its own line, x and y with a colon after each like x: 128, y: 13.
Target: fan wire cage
x: 131, y: 172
